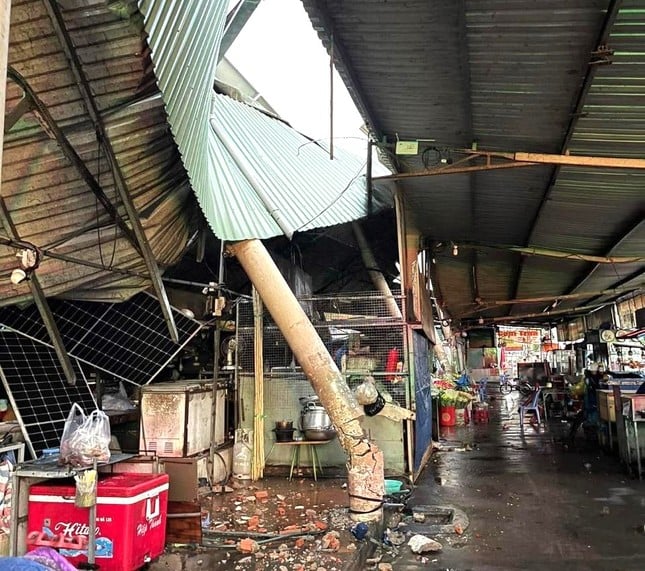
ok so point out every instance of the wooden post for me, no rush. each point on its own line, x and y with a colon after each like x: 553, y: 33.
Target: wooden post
x: 365, y: 460
x: 257, y: 468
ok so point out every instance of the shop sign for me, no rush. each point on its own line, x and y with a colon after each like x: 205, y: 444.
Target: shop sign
x: 517, y: 339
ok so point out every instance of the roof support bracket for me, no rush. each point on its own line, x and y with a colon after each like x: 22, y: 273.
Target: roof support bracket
x: 41, y: 303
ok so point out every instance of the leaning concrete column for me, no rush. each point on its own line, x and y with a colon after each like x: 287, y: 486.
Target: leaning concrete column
x: 365, y: 460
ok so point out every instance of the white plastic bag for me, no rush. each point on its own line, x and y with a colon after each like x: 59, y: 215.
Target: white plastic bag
x: 88, y: 442
x: 75, y: 420
x: 366, y: 392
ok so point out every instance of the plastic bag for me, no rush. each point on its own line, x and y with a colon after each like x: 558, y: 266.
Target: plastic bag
x: 117, y: 401
x: 82, y: 444
x: 366, y: 392
x: 75, y: 420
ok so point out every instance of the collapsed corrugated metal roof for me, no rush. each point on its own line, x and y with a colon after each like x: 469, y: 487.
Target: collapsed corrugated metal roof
x: 184, y: 38
x: 527, y: 75
x: 253, y: 175
x: 268, y: 179
x: 94, y: 125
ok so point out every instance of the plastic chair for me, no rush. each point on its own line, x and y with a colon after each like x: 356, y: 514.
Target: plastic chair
x: 532, y: 403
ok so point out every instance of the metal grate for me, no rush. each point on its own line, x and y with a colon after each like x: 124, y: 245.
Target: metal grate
x: 359, y: 333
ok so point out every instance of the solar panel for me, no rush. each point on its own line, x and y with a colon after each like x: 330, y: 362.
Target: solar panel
x: 38, y: 391
x: 129, y: 340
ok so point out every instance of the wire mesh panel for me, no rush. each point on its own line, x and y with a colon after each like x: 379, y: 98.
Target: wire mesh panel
x: 359, y: 332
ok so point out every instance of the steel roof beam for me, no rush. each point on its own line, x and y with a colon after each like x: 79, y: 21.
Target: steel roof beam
x: 41, y: 303
x: 633, y: 227
x: 58, y: 23
x: 235, y: 21
x: 323, y: 24
x: 34, y: 103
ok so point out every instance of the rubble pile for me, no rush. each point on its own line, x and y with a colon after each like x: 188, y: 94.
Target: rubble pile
x: 279, y: 527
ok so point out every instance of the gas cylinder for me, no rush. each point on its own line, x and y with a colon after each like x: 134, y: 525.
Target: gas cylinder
x: 242, y: 454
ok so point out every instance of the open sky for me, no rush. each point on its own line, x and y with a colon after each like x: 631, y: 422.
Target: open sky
x: 279, y: 52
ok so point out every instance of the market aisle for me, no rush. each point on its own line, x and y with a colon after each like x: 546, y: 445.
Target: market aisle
x: 533, y: 502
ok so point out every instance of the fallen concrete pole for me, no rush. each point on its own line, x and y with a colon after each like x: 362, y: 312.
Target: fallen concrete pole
x: 365, y: 467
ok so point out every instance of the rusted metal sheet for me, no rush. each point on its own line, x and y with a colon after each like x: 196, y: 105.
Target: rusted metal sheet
x: 49, y: 201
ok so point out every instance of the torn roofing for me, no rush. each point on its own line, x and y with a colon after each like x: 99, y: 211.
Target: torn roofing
x: 184, y: 38
x: 268, y: 179
x: 254, y: 176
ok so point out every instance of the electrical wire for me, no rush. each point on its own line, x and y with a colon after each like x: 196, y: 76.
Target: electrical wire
x: 318, y: 141
x: 336, y: 199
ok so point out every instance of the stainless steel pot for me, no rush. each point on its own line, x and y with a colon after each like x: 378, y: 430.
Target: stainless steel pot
x: 314, y: 418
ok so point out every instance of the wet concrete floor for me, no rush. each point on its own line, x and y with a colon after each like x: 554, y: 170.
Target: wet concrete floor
x: 534, y: 500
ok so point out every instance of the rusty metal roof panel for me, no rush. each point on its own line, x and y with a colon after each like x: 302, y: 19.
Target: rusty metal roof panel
x: 526, y: 61
x: 48, y: 200
x: 507, y: 75
x: 587, y: 207
x: 264, y: 171
x: 613, y: 117
x: 488, y: 207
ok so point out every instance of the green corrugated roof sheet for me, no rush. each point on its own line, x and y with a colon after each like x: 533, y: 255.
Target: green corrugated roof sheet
x: 254, y: 176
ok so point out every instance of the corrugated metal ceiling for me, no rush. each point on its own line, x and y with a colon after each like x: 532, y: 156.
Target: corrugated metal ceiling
x: 512, y: 75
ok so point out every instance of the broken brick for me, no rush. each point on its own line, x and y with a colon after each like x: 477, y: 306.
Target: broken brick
x: 300, y: 542
x: 291, y: 528
x: 253, y: 522
x: 321, y: 525
x: 247, y: 545
x: 261, y: 494
x: 331, y: 541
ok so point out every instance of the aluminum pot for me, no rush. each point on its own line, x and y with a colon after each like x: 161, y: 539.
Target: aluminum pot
x: 314, y: 418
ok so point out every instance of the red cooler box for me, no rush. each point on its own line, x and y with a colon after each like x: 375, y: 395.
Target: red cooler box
x: 130, y: 520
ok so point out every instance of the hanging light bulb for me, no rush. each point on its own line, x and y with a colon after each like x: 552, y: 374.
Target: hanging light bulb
x: 480, y: 321
x: 455, y: 250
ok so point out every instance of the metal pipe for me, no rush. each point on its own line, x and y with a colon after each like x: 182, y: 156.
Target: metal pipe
x: 331, y: 97
x: 272, y: 208
x: 365, y: 460
x: 5, y: 23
